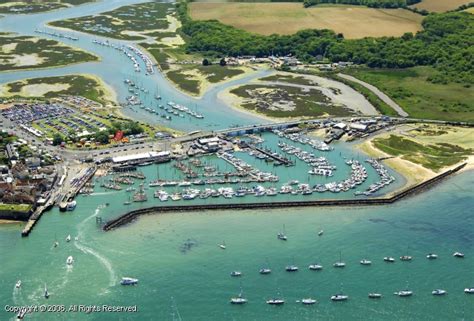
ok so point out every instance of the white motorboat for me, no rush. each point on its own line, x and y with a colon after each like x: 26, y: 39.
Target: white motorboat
x: 68, y: 238
x: 458, y: 254
x: 469, y: 290
x: 339, y: 297
x: 365, y: 262
x: 315, y: 267
x: 389, y: 259
x: 235, y: 273
x: 71, y: 206
x: 222, y: 246
x: 431, y: 256
x: 439, y: 292
x: 291, y: 268
x: 275, y: 301
x: 405, y: 258
x: 320, y: 233
x: 308, y: 301
x: 265, y: 271
x: 128, y: 281
x: 404, y: 293
x: 374, y: 295
x: 18, y: 284
x: 69, y: 260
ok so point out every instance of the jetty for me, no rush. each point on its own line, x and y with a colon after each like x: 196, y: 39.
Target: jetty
x: 130, y: 216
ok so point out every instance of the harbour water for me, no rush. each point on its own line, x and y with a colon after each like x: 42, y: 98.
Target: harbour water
x: 184, y: 275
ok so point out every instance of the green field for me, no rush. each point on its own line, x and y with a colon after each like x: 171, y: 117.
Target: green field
x: 420, y: 98
x: 79, y: 85
x: 138, y: 18
x: 432, y: 156
x: 15, y: 207
x: 25, y: 52
x: 286, y: 101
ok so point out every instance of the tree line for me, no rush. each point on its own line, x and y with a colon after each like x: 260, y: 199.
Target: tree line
x: 446, y: 43
x: 369, y: 3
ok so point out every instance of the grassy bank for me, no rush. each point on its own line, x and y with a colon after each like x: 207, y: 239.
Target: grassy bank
x: 25, y: 52
x: 420, y: 98
x: 15, y: 207
x: 432, y: 156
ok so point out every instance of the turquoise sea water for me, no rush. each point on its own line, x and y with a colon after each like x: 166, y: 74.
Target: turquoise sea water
x: 196, y: 284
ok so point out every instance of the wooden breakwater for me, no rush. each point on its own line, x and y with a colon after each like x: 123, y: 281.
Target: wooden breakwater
x: 130, y: 216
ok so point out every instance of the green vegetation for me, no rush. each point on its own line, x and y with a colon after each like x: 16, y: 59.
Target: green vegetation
x: 37, y: 6
x: 446, y: 43
x: 118, y: 23
x: 217, y: 73
x: 368, y: 3
x: 286, y: 101
x: 160, y: 56
x: 433, y: 156
x: 289, y: 79
x: 183, y: 81
x: 15, y: 207
x: 25, y: 52
x: 411, y: 89
x: 79, y: 85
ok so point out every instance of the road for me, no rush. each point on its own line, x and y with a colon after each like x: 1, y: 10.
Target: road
x: 378, y: 93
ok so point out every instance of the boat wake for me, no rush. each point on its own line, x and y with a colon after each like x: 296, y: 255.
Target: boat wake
x: 104, y: 193
x: 87, y: 250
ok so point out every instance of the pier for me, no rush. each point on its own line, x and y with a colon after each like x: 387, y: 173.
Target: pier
x: 280, y: 160
x: 130, y: 216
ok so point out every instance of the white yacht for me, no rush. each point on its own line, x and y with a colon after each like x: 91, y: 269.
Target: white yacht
x: 339, y: 297
x: 239, y: 299
x: 275, y: 301
x: 222, y: 246
x: 291, y: 268
x: 431, y: 256
x: 128, y: 281
x: 469, y: 290
x: 374, y: 295
x: 458, y: 254
x: 340, y: 263
x: 405, y: 258
x: 404, y: 293
x: 315, y: 267
x: 68, y: 238
x: 439, y: 292
x: 235, y: 273
x: 265, y: 271
x: 389, y: 259
x: 46, y: 293
x: 69, y: 260
x: 321, y: 232
x: 18, y: 284
x: 308, y: 301
x: 365, y: 262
